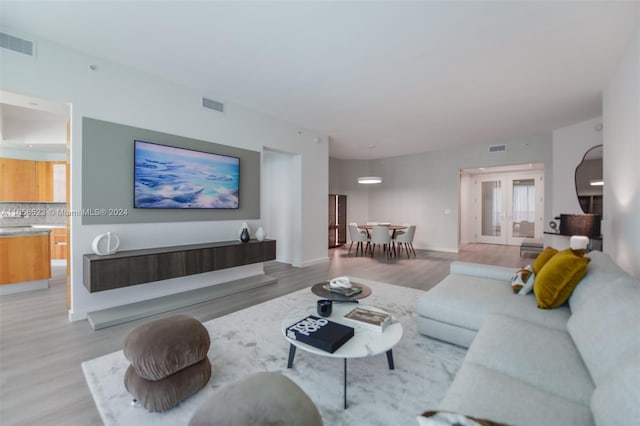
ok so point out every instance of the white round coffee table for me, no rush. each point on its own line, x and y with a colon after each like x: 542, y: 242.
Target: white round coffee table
x: 365, y: 342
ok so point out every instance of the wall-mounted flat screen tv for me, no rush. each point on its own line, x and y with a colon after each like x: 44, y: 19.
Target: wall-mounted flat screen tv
x: 168, y: 177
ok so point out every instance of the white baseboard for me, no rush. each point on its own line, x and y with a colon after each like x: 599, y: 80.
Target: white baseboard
x: 311, y: 262
x: 443, y: 249
x: 77, y: 316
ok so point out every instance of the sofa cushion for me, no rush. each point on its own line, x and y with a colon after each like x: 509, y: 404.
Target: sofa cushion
x: 495, y: 272
x: 601, y: 272
x: 557, y: 279
x: 606, y: 328
x: 161, y: 347
x: 615, y: 401
x: 543, y: 258
x: 160, y: 395
x: 260, y: 399
x: 539, y: 356
x: 464, y: 301
x: 445, y: 418
x: 482, y: 392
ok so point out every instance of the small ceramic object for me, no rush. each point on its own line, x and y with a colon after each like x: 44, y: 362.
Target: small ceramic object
x: 106, y: 243
x: 244, y: 236
x: 260, y: 234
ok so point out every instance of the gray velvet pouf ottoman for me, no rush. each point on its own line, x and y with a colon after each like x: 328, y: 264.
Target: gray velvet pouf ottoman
x: 260, y: 399
x: 168, y: 361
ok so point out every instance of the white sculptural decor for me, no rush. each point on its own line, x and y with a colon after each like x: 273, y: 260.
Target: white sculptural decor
x: 106, y: 243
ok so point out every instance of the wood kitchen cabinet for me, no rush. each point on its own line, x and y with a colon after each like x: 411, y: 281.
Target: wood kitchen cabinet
x: 28, y: 180
x: 58, y: 243
x: 24, y: 258
x: 19, y: 180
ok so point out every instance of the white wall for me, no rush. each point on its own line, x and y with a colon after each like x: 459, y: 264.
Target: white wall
x: 279, y: 202
x: 20, y: 154
x: 122, y: 95
x: 621, y: 112
x: 570, y: 144
x: 423, y: 189
x: 343, y: 179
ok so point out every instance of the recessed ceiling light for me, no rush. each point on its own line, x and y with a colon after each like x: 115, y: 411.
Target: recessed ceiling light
x: 371, y: 146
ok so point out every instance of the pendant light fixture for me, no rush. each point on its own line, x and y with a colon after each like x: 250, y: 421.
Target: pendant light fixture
x: 369, y: 179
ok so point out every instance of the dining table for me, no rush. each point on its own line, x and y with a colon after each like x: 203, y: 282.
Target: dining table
x: 392, y: 228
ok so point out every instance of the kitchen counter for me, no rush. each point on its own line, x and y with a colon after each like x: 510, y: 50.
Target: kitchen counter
x: 15, y: 231
x: 25, y: 262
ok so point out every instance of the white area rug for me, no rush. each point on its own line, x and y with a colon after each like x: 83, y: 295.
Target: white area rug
x: 250, y: 340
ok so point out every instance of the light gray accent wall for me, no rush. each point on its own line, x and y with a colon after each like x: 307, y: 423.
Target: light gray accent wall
x: 108, y: 167
x: 423, y: 189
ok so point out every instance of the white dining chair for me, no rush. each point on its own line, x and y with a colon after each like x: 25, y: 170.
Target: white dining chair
x: 380, y: 235
x: 358, y: 237
x: 402, y: 231
x: 406, y: 239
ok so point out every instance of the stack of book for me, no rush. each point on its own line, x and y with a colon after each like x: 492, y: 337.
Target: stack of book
x: 370, y: 318
x: 320, y: 333
x: 351, y: 291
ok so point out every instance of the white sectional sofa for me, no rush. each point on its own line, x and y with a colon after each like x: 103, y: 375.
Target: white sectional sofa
x: 575, y: 365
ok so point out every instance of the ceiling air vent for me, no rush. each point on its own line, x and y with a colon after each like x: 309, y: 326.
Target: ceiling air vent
x: 497, y: 148
x: 211, y: 104
x: 16, y: 44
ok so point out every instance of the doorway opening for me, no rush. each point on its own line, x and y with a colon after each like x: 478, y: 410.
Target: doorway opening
x: 36, y: 159
x: 502, y: 205
x: 337, y: 220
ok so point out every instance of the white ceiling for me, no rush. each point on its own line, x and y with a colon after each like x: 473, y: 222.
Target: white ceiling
x: 406, y: 77
x: 31, y: 124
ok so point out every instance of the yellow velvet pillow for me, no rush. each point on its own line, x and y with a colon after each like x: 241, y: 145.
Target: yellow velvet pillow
x: 543, y: 258
x: 557, y: 279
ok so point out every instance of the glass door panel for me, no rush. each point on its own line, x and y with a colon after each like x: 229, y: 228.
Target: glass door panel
x: 509, y: 207
x: 523, y: 207
x: 491, y: 210
x: 491, y: 215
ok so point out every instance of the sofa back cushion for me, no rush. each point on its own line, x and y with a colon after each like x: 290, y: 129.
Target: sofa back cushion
x: 601, y: 272
x: 606, y: 328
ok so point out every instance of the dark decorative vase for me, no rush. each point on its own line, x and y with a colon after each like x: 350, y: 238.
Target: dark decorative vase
x: 244, y: 236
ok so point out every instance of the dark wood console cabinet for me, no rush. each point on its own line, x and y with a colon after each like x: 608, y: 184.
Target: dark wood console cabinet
x: 132, y: 267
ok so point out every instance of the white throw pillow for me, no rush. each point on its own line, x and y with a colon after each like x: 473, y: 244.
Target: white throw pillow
x: 528, y: 285
x: 522, y: 281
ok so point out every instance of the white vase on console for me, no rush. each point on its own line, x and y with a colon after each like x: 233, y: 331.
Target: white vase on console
x: 260, y: 234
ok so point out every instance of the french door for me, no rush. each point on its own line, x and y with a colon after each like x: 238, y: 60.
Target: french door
x: 509, y: 208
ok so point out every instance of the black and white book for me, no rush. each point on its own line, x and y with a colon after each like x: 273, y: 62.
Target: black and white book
x: 320, y: 333
x: 370, y: 318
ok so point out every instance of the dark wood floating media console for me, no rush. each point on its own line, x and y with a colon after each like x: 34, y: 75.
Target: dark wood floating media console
x: 132, y: 267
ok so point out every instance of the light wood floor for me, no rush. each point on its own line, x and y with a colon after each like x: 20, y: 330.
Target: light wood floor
x: 41, y: 382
